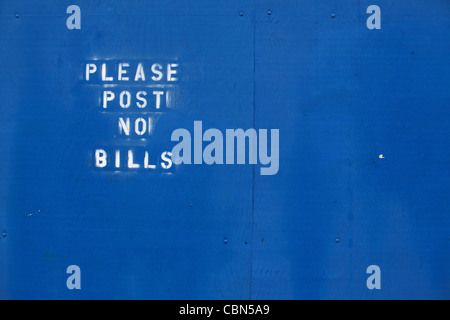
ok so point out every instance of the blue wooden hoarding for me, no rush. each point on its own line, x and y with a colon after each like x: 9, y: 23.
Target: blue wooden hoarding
x: 359, y: 94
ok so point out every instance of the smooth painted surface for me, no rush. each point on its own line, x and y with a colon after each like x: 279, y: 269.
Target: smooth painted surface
x: 364, y: 161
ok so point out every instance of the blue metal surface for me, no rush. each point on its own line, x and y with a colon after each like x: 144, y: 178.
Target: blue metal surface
x: 341, y: 95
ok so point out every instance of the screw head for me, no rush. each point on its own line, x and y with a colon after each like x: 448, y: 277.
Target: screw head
x: 269, y: 12
x: 17, y: 15
x: 333, y: 16
x: 241, y: 13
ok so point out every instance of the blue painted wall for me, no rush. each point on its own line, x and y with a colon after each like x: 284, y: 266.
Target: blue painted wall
x: 341, y: 96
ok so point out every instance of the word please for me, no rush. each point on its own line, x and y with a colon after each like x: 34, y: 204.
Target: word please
x: 130, y: 72
x: 213, y: 152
